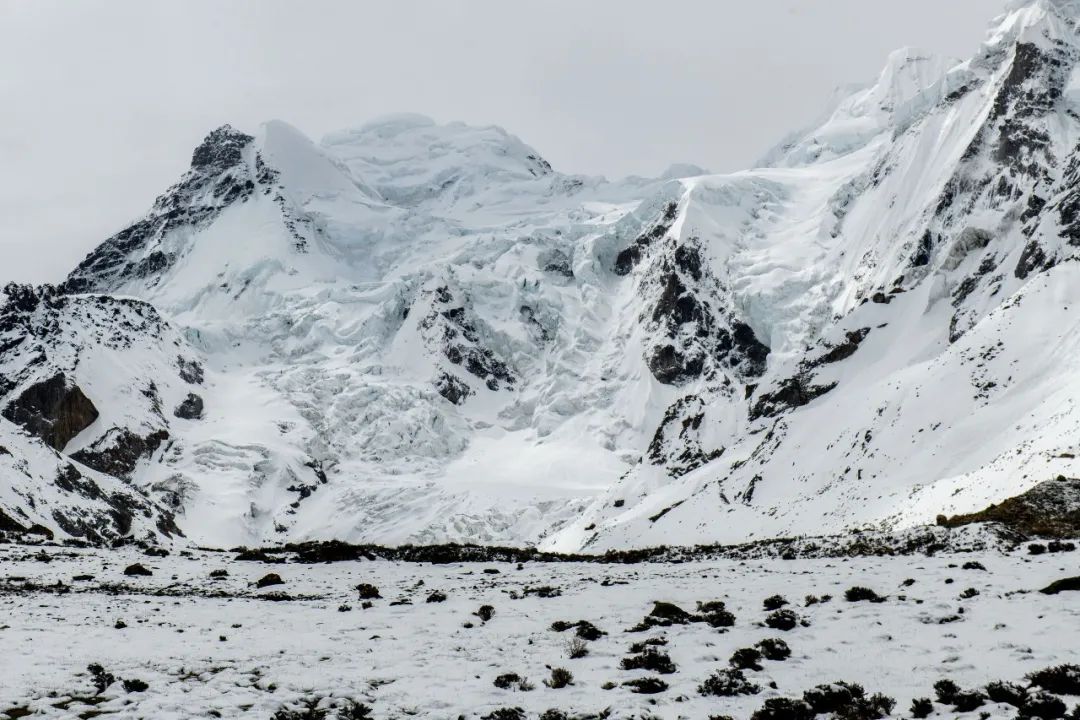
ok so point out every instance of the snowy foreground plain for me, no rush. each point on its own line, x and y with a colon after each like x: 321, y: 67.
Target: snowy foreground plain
x: 221, y: 647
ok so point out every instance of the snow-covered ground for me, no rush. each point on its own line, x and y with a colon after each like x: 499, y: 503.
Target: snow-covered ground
x: 221, y: 647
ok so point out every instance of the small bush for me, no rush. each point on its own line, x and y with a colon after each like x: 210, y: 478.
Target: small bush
x: 1008, y: 693
x: 782, y: 620
x: 135, y: 686
x: 513, y: 681
x: 746, y: 659
x: 1056, y: 546
x: 728, y: 683
x: 485, y: 613
x: 436, y: 597
x: 946, y: 691
x: 774, y: 649
x: 968, y: 700
x: 514, y: 713
x: 560, y: 678
x: 968, y: 594
x: 641, y: 646
x: 1060, y: 680
x: 921, y: 708
x: 775, y: 602
x: 646, y: 686
x: 101, y: 679
x: 576, y: 648
x: 650, y: 659
x: 860, y: 594
x: 832, y: 698
x: 783, y: 709
x: 1036, y: 549
x: 1043, y: 705
x: 973, y: 565
x: 368, y: 591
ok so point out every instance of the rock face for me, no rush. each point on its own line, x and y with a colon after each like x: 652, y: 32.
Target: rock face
x: 54, y: 410
x: 191, y: 408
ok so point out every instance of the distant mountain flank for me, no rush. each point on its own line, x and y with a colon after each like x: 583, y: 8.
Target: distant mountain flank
x: 421, y: 333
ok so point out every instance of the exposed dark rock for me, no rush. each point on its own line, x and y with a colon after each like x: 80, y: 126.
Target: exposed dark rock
x: 118, y: 451
x: 794, y: 392
x: 137, y: 570
x: 191, y: 408
x: 220, y: 150
x: 1050, y: 509
x: 268, y: 580
x: 1071, y: 584
x: 55, y: 410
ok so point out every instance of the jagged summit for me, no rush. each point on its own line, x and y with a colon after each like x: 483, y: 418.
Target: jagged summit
x: 220, y: 150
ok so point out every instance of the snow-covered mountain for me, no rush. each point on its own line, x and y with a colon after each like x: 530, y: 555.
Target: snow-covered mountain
x: 414, y: 332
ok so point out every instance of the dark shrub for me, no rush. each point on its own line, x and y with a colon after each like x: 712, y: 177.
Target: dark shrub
x: 352, y: 710
x: 946, y: 691
x: 968, y: 594
x: 968, y: 700
x: 368, y: 591
x: 512, y: 681
x: 641, y: 646
x: 669, y: 612
x: 1060, y: 680
x: 577, y: 648
x: 746, y: 659
x: 775, y: 602
x: 782, y: 620
x: 136, y: 570
x: 1056, y: 546
x: 650, y: 659
x: 728, y: 683
x: 544, y: 591
x: 1043, y: 705
x: 774, y: 649
x: 860, y: 594
x: 100, y: 678
x: 783, y: 709
x: 485, y: 613
x: 1036, y: 549
x: 587, y: 631
x: 135, y: 685
x: 560, y: 678
x: 646, y: 686
x: 218, y: 574
x: 831, y: 698
x: 514, y: 713
x: 921, y: 708
x: 973, y: 565
x: 436, y: 597
x: 1008, y: 693
x: 715, y: 613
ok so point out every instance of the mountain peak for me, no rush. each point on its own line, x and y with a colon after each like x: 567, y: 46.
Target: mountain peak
x: 220, y: 150
x: 410, y: 159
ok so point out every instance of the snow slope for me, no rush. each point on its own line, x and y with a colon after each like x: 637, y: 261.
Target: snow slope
x: 413, y: 332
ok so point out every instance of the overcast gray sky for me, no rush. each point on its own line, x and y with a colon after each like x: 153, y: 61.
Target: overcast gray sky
x: 101, y: 102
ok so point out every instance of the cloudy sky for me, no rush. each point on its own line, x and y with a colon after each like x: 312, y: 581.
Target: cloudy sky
x: 101, y: 102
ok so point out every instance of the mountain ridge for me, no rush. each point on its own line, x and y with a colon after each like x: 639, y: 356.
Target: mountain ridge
x: 414, y: 332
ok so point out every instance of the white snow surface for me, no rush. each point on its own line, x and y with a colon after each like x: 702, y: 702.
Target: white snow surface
x: 241, y: 655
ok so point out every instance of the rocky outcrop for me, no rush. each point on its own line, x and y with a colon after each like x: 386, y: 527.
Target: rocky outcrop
x: 54, y: 410
x: 191, y: 408
x: 119, y: 450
